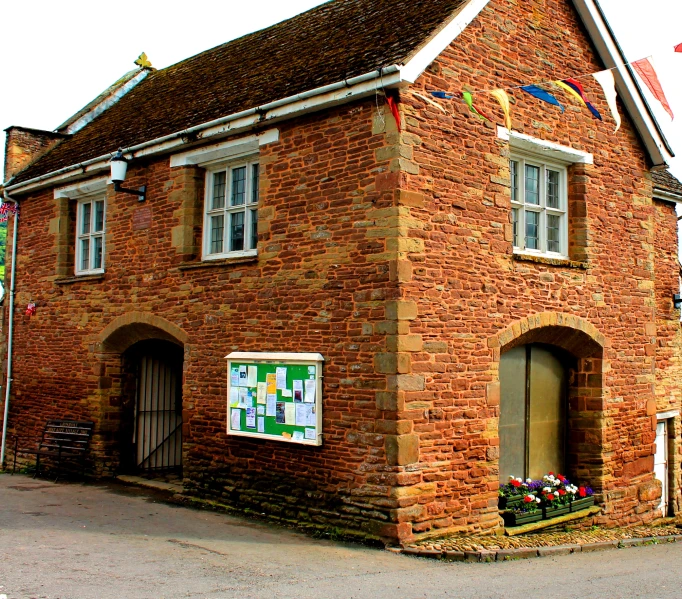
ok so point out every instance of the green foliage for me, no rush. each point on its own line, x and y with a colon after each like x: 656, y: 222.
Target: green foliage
x: 3, y: 245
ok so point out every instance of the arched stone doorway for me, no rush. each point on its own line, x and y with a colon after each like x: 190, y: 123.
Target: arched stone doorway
x: 141, y: 363
x: 551, y: 388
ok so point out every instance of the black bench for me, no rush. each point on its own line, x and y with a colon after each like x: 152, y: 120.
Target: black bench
x: 62, y: 442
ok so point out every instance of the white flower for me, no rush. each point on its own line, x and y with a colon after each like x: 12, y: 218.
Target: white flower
x: 537, y: 500
x: 547, y: 489
x: 529, y: 480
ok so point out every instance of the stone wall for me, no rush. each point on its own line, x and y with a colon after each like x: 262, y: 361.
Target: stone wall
x: 390, y: 253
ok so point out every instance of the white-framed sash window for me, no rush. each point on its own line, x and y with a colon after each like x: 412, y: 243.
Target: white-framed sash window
x: 539, y: 198
x: 231, y: 210
x: 90, y: 232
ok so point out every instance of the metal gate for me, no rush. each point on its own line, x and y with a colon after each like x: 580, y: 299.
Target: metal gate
x: 158, y: 421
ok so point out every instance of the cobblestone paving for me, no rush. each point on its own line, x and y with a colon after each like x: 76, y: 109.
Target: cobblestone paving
x: 547, y: 539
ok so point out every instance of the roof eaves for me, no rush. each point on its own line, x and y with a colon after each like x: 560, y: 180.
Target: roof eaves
x: 612, y: 56
x: 417, y: 62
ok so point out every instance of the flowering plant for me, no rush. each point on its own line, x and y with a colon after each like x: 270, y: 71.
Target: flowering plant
x: 552, y: 490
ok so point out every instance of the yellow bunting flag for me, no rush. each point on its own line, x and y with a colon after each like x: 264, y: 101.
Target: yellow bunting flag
x: 503, y: 98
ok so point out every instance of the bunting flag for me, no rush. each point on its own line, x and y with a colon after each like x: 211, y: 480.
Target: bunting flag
x: 608, y: 84
x: 442, y: 95
x: 646, y: 71
x: 541, y: 94
x: 469, y: 99
x: 678, y: 48
x: 393, y: 105
x: 575, y: 88
x: 429, y: 101
x: 501, y: 96
x: 7, y: 208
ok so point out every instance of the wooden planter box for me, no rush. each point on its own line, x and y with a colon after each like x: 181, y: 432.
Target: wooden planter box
x: 582, y: 504
x: 555, y: 511
x: 507, y: 503
x: 513, y: 519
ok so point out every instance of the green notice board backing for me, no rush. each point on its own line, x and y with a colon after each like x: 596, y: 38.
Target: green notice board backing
x: 276, y: 396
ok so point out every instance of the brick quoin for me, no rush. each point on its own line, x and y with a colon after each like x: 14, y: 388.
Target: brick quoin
x: 391, y: 254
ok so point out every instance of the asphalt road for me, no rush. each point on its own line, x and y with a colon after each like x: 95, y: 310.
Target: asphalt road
x: 70, y: 541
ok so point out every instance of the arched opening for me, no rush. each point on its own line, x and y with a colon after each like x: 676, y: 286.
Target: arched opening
x: 551, y: 399
x: 151, y: 418
x: 140, y: 395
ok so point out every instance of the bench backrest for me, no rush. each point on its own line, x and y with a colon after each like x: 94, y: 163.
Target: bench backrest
x: 69, y: 435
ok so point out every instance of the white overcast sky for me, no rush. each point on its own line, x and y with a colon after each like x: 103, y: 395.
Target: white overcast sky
x: 59, y: 55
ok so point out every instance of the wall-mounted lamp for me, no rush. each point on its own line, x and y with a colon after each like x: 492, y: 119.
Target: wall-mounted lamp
x: 119, y: 166
x: 677, y: 300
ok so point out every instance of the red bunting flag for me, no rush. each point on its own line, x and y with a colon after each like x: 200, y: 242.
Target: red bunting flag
x: 393, y: 105
x: 678, y: 48
x: 646, y: 71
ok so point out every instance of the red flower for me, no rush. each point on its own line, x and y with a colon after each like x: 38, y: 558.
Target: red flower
x: 550, y: 496
x: 551, y: 473
x: 515, y: 483
x: 582, y: 492
x: 528, y: 499
x: 562, y: 492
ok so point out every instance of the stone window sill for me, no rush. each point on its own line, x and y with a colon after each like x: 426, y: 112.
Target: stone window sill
x: 217, y: 263
x: 79, y: 279
x: 564, y: 262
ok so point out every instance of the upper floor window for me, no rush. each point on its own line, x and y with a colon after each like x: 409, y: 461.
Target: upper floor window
x: 90, y: 230
x: 231, y: 210
x: 539, y: 198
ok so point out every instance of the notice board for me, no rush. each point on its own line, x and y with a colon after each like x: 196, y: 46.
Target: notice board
x: 275, y: 396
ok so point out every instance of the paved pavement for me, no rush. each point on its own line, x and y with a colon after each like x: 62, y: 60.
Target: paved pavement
x: 70, y: 541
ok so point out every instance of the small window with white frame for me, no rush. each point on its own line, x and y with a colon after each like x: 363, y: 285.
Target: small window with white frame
x: 90, y: 231
x: 539, y: 197
x: 231, y: 210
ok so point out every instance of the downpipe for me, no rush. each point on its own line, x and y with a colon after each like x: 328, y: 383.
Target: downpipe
x: 10, y: 330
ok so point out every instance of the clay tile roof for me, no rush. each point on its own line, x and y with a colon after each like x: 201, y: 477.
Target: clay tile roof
x: 664, y: 181
x: 332, y: 42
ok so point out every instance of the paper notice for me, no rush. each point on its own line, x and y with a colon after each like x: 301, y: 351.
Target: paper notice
x: 286, y: 393
x: 242, y: 375
x: 250, y: 417
x: 261, y: 392
x: 290, y: 413
x: 260, y: 410
x: 281, y: 374
x: 280, y: 414
x: 305, y: 414
x: 261, y: 425
x: 252, y: 376
x: 271, y: 382
x: 310, y: 434
x: 236, y: 424
x: 311, y: 370
x: 234, y: 397
x: 234, y: 377
x: 298, y: 391
x: 310, y: 391
x: 297, y: 436
x: 243, y: 393
x: 272, y: 406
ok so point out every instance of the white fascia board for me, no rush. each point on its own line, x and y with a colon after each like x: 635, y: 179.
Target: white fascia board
x: 416, y: 65
x: 281, y: 357
x: 81, y: 190
x: 667, y: 415
x: 225, y: 149
x: 666, y: 196
x: 546, y: 148
x: 608, y: 50
x: 240, y: 123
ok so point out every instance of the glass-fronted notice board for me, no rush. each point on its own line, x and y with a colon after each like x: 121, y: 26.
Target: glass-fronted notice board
x: 276, y: 396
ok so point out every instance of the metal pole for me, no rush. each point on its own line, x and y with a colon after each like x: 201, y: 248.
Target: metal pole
x: 10, y: 331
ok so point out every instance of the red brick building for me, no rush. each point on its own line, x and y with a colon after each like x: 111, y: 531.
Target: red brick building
x: 488, y: 302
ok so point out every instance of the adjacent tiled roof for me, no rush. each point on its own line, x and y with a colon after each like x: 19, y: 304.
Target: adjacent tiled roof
x: 667, y: 182
x: 335, y: 41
